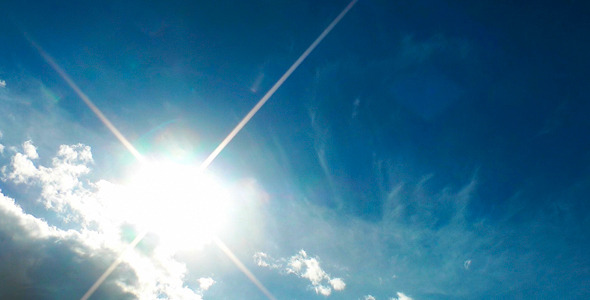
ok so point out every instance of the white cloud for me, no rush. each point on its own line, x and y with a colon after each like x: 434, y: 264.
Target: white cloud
x: 338, y: 284
x: 369, y: 297
x: 2, y: 83
x: 30, y: 150
x: 306, y: 267
x: 23, y: 169
x: 91, y: 247
x: 205, y: 283
x: 401, y: 296
x: 322, y: 289
x: 303, y: 266
x: 264, y: 260
x: 60, y: 183
x: 14, y: 217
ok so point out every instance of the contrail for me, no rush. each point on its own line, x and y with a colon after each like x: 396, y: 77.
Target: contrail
x: 205, y: 163
x: 275, y: 87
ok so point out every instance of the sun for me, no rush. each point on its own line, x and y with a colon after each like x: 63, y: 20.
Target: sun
x: 184, y: 206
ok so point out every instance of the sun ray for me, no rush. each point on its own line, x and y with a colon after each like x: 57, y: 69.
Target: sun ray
x: 205, y: 163
x: 50, y: 61
x: 275, y: 87
x: 113, y: 266
x: 225, y: 249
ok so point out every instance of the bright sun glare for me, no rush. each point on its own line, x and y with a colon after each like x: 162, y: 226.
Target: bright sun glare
x: 183, y: 206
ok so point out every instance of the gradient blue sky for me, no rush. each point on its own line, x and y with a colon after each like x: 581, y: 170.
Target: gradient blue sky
x: 424, y: 150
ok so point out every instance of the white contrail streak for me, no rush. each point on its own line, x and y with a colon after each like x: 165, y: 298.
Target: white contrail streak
x: 275, y: 87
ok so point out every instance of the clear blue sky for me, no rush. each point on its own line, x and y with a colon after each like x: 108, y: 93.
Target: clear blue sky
x: 424, y: 150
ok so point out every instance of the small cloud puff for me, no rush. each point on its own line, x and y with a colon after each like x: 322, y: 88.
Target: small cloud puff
x: 369, y: 297
x: 30, y: 150
x: 2, y: 83
x: 401, y: 296
x: 338, y: 284
x: 205, y: 283
x: 306, y: 267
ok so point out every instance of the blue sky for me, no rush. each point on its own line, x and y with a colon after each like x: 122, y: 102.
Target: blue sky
x: 424, y: 150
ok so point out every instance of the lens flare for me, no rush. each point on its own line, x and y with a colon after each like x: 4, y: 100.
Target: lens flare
x: 170, y: 200
x: 183, y: 206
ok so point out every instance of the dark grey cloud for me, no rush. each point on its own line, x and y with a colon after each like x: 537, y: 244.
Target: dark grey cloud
x: 42, y: 262
x: 63, y: 256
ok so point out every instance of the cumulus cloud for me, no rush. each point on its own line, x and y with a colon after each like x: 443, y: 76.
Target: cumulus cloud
x: 205, y: 283
x: 33, y: 248
x: 2, y: 83
x: 22, y: 169
x: 338, y: 284
x: 303, y: 266
x: 369, y: 297
x: 30, y: 150
x: 60, y: 182
x: 32, y: 251
x: 264, y: 260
